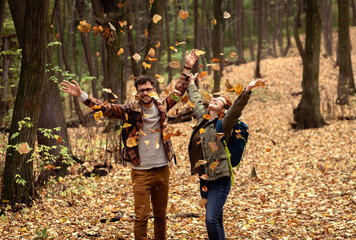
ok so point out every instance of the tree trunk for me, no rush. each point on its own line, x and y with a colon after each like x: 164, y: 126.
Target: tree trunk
x: 259, y: 36
x: 239, y: 39
x: 196, y: 37
x: 327, y: 25
x: 131, y: 46
x: 307, y: 114
x: 353, y: 5
x: 295, y: 29
x: 287, y: 29
x: 250, y: 41
x: 167, y: 34
x: 207, y: 35
x: 2, y: 16
x: 154, y: 36
x: 18, y: 185
x: 17, y: 8
x: 4, y: 80
x: 217, y: 4
x: 274, y: 26
x: 344, y: 53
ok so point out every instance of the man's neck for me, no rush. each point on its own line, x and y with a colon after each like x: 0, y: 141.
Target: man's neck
x: 147, y: 105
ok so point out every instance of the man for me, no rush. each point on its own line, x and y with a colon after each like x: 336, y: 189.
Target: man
x: 150, y: 171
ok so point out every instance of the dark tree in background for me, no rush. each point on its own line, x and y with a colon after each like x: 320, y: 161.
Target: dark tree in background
x: 217, y: 4
x: 327, y: 26
x: 18, y: 183
x: 260, y: 28
x: 307, y: 114
x: 345, y: 75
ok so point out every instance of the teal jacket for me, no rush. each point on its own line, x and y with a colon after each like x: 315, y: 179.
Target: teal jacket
x: 222, y: 169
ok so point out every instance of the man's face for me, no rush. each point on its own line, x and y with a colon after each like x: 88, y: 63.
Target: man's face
x: 216, y: 104
x: 142, y: 92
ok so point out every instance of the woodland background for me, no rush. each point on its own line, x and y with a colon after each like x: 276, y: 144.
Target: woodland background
x: 60, y: 164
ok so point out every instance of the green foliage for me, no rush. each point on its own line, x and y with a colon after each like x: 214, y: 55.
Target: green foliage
x: 41, y: 234
x: 19, y: 180
x: 56, y: 43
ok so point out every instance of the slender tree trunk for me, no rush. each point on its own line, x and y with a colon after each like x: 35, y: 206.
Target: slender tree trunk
x: 239, y: 36
x: 327, y: 25
x: 353, y: 5
x: 18, y: 184
x: 217, y: 4
x: 287, y: 4
x: 260, y: 37
x: 2, y: 16
x: 4, y: 80
x: 207, y: 33
x: 307, y: 114
x: 250, y: 41
x: 196, y: 37
x: 167, y: 34
x: 274, y: 26
x: 295, y: 29
x: 344, y: 53
x: 131, y: 46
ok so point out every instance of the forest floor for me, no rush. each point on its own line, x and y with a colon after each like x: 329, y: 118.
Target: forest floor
x: 306, y: 185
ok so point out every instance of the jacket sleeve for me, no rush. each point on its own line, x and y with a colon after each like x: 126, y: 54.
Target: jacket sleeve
x: 234, y: 113
x: 194, y: 96
x: 109, y: 110
x: 179, y: 90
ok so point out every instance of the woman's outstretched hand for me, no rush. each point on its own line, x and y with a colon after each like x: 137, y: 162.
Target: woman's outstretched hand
x: 192, y: 78
x: 71, y: 88
x: 256, y: 83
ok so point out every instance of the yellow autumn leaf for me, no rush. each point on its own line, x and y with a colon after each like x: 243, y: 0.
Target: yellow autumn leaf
x: 157, y: 144
x: 154, y: 95
x: 24, y: 148
x: 213, y: 146
x: 96, y: 107
x: 214, y: 21
x: 238, y: 89
x: 146, y: 115
x: 98, y: 115
x: 147, y: 142
x: 84, y: 27
x: 158, y: 44
x: 121, y: 50
x: 126, y: 125
x: 156, y: 18
x: 200, y: 162
x: 160, y: 79
x: 202, y: 130
x: 122, y: 24
x: 146, y: 65
x: 191, y: 104
x: 132, y: 142
x: 173, y: 49
x: 214, y: 164
x: 199, y: 52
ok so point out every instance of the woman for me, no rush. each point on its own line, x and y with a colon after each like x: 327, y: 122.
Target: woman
x: 207, y: 153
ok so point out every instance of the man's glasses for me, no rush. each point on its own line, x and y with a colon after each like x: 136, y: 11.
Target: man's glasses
x: 148, y: 90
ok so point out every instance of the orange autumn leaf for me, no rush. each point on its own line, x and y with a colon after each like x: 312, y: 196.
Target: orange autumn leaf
x: 204, y: 177
x: 207, y: 116
x: 96, y: 107
x: 120, y: 51
x: 84, y: 27
x: 260, y: 84
x: 191, y: 104
x: 183, y: 14
x: 214, y: 164
x: 146, y: 33
x: 156, y: 18
x: 214, y: 21
x: 122, y: 23
x: 146, y: 65
x: 202, y: 74
x: 97, y: 30
x: 213, y: 146
x: 233, y: 55
x: 59, y: 139
x: 173, y: 49
x: 174, y: 64
x: 216, y: 60
x: 238, y: 89
x: 200, y: 162
x: 49, y: 167
x: 204, y: 188
x: 132, y: 142
x: 202, y: 130
x: 184, y: 99
x: 151, y: 52
x: 98, y: 115
x: 121, y: 5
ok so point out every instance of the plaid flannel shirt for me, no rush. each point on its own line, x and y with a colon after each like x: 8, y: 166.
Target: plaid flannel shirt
x: 118, y: 111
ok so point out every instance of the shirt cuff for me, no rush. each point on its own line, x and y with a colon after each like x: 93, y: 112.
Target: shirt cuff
x: 83, y: 97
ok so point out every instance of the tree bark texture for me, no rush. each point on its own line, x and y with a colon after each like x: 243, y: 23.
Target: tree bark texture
x: 217, y: 4
x: 327, y: 25
x: 307, y: 114
x: 296, y: 27
x: 27, y: 105
x: 4, y: 80
x: 260, y: 38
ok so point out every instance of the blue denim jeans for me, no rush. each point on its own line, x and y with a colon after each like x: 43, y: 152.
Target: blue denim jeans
x: 217, y: 192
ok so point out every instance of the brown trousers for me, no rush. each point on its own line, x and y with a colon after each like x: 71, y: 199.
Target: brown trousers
x: 154, y: 184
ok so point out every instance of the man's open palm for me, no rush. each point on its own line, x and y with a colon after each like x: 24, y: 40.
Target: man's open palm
x: 71, y: 88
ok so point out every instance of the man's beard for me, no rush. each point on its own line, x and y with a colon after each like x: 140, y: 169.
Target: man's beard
x: 141, y: 101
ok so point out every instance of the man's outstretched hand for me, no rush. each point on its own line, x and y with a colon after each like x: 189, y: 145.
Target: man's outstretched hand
x: 71, y: 88
x: 191, y: 58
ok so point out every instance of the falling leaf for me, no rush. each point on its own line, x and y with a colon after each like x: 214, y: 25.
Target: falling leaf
x: 191, y: 104
x: 204, y: 177
x: 184, y: 99
x: 238, y: 89
x: 131, y: 142
x: 108, y: 90
x: 152, y: 131
x: 220, y: 135
x: 147, y: 142
x: 120, y: 51
x: 152, y: 59
x: 199, y: 163
x: 183, y: 14
x: 216, y: 67
x: 214, y: 21
x: 49, y: 167
x: 274, y: 143
x: 202, y: 130
x: 97, y: 30
x: 180, y: 43
x: 226, y: 15
x: 151, y: 52
x: 268, y: 149
x: 213, y: 146
x: 233, y: 55
x: 142, y: 132
x: 146, y: 33
x: 146, y: 115
x: 199, y: 141
x: 158, y: 44
x: 96, y: 107
x: 173, y: 49
x: 156, y: 18
x: 157, y: 144
x: 146, y: 65
x: 97, y: 54
x: 174, y: 64
x: 202, y: 75
x: 216, y: 60
x: 121, y: 5
x: 207, y: 116
x: 126, y: 125
x: 136, y: 57
x: 122, y: 24
x: 214, y: 164
x: 321, y: 168
x: 199, y: 52
x: 202, y: 202
x: 112, y: 27
x: 204, y: 188
x: 98, y: 115
x: 59, y: 139
x: 24, y: 148
x: 228, y: 84
x: 154, y: 95
x: 260, y: 84
x: 160, y: 79
x: 84, y: 27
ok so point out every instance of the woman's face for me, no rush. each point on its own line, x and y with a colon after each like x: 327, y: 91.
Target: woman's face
x: 216, y: 104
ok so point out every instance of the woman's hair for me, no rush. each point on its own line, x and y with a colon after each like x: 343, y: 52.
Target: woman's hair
x: 228, y: 103
x: 143, y: 79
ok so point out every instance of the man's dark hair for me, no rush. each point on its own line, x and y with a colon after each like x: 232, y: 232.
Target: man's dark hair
x: 143, y: 79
